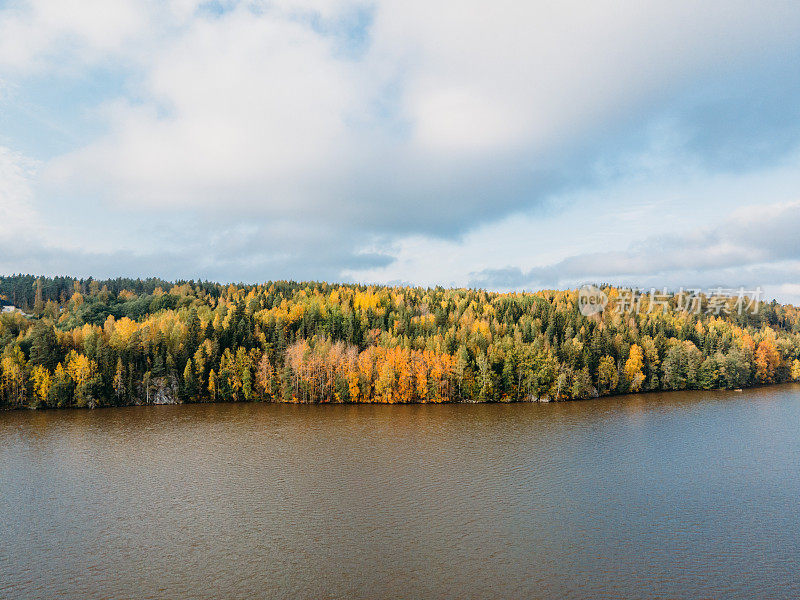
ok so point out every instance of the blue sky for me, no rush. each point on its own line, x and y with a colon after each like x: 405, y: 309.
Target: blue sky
x: 510, y: 145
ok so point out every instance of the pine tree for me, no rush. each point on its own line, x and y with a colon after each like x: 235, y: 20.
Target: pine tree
x: 189, y: 381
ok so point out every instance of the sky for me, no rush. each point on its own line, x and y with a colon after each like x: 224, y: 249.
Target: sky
x: 502, y: 145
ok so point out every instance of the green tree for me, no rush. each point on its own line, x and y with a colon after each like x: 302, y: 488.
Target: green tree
x: 189, y: 381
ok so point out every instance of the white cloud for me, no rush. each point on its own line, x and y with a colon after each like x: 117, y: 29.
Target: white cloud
x: 539, y: 72
x: 243, y: 108
x: 40, y: 34
x: 259, y: 108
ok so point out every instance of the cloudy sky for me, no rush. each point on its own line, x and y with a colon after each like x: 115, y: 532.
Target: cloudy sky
x: 506, y: 145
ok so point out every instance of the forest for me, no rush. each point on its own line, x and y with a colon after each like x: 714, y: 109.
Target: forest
x: 87, y: 343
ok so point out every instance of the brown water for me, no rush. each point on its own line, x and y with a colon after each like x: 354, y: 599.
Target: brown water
x: 660, y: 496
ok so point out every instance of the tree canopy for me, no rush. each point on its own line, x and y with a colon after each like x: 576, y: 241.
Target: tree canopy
x: 124, y: 341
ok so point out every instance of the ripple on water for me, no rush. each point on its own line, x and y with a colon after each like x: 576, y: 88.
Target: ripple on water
x: 659, y: 496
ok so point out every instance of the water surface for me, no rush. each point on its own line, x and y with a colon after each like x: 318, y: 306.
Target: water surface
x: 660, y: 496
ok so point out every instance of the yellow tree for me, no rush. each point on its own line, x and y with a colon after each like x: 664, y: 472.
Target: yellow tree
x: 14, y: 377
x: 42, y: 381
x: 796, y: 370
x: 121, y: 332
x: 352, y: 383
x: 405, y: 375
x: 212, y: 385
x: 264, y: 377
x: 420, y: 369
x: 767, y: 361
x: 607, y: 375
x: 81, y: 370
x: 633, y: 368
x: 386, y: 379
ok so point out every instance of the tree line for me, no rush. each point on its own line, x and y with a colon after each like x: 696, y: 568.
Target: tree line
x: 123, y: 341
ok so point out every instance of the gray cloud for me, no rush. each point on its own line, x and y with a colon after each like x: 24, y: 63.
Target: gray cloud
x: 756, y: 246
x: 281, y: 142
x: 234, y: 252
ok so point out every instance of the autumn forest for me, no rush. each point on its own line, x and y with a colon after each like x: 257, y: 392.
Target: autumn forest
x: 85, y: 343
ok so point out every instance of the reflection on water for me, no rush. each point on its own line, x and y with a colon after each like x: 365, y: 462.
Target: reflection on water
x: 660, y: 496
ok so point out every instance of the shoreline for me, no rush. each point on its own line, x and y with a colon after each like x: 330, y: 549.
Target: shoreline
x: 450, y: 402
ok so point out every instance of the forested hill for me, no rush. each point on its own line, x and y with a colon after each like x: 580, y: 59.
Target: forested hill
x: 117, y: 342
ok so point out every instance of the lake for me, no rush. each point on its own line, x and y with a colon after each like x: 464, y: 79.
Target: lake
x: 688, y: 495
